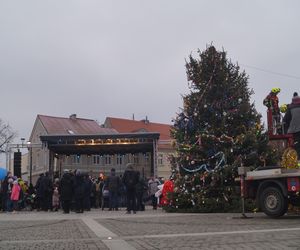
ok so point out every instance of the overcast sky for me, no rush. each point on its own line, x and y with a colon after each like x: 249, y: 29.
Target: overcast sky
x: 117, y: 58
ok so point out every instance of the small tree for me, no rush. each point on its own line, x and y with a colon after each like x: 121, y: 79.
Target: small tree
x: 217, y: 131
x: 6, y: 135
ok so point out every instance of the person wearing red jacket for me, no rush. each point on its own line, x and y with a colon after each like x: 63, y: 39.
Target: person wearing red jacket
x: 274, y: 118
x: 168, y: 187
x: 272, y: 101
x: 15, y: 194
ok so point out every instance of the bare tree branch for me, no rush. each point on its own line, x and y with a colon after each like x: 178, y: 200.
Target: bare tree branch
x: 6, y: 134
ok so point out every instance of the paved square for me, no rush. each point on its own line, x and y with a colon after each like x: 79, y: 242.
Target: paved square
x: 47, y: 234
x: 147, y: 230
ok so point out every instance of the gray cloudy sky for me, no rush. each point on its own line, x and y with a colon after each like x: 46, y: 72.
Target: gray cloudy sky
x: 114, y: 58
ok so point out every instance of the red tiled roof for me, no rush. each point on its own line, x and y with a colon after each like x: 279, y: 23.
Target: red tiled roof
x: 76, y: 126
x: 131, y: 126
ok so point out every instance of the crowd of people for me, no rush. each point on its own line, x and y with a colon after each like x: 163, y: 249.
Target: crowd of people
x: 77, y: 191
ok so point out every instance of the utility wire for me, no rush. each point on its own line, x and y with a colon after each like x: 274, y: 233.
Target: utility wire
x: 270, y: 72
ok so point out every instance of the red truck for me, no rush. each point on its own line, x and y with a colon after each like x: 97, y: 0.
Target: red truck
x: 273, y: 188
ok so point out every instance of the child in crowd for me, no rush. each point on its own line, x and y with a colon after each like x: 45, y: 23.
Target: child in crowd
x: 15, y: 195
x: 55, y: 195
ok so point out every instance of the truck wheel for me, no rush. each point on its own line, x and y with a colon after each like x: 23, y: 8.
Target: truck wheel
x: 272, y: 202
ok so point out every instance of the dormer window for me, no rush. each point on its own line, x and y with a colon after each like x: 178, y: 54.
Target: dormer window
x: 142, y: 130
x: 70, y: 132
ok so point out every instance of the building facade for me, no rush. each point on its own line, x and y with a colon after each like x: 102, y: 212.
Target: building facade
x: 164, y: 148
x: 58, y: 143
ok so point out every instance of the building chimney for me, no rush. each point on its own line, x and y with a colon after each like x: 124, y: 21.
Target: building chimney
x: 146, y: 120
x: 73, y: 117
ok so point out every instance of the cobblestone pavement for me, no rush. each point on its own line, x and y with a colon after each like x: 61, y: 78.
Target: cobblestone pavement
x: 47, y: 234
x: 146, y: 230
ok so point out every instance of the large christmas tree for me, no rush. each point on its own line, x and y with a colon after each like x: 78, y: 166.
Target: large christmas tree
x: 217, y: 131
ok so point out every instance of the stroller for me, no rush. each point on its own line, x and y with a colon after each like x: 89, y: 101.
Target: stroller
x: 31, y: 202
x: 105, y: 198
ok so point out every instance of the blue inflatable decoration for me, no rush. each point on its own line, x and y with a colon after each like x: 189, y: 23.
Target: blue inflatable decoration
x: 3, y: 173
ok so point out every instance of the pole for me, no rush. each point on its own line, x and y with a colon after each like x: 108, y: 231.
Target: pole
x: 30, y: 166
x: 242, y: 171
x: 242, y: 194
x: 9, y: 160
x: 7, y: 152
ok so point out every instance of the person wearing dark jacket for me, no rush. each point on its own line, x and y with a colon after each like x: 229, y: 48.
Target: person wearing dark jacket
x: 88, y: 185
x: 99, y: 187
x: 66, y: 191
x: 130, y: 179
x: 113, y: 185
x: 4, y: 187
x: 39, y: 193
x: 79, y: 192
x: 141, y: 187
x: 292, y: 121
x: 46, y: 192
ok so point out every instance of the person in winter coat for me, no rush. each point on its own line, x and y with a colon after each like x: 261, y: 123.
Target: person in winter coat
x: 66, y: 191
x: 113, y: 184
x: 272, y: 102
x: 141, y: 188
x: 168, y: 187
x: 46, y: 192
x: 130, y: 179
x: 93, y: 193
x: 15, y: 195
x: 39, y: 191
x: 4, y: 187
x: 152, y: 189
x: 88, y: 185
x: 98, y: 192
x: 292, y: 121
x: 79, y: 189
x: 9, y: 203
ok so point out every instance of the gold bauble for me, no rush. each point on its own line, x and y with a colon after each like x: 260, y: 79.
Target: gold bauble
x: 289, y: 158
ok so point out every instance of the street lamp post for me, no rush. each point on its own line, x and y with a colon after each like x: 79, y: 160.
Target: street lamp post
x: 30, y: 147
x: 30, y: 162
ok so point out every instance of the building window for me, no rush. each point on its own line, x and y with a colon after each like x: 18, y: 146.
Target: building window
x: 136, y: 158
x: 37, y: 160
x: 119, y: 159
x: 107, y: 160
x: 76, y: 159
x: 96, y: 159
x: 160, y: 159
x: 129, y: 158
x: 146, y: 157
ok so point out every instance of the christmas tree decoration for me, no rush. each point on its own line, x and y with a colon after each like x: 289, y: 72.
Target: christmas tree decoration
x: 289, y: 158
x: 217, y: 131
